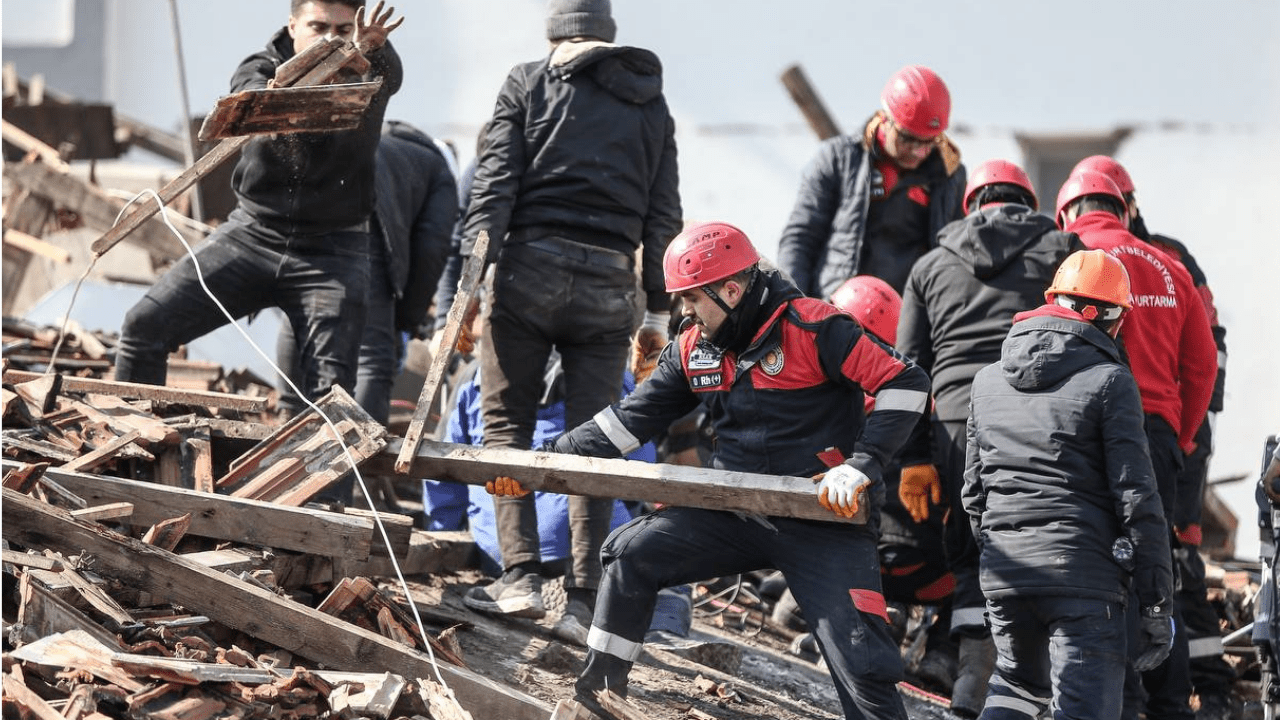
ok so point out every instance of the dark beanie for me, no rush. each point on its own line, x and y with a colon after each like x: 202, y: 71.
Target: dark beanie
x: 580, y: 18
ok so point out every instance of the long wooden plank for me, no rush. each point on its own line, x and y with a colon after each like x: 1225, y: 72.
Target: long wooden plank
x: 141, y: 391
x: 811, y: 106
x: 252, y: 522
x: 622, y: 479
x: 468, y: 284
x: 250, y: 609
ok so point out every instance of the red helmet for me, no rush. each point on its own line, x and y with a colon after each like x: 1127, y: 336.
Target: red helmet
x: 706, y: 253
x: 998, y: 171
x: 873, y: 303
x: 1109, y: 167
x: 917, y: 100
x: 1082, y: 183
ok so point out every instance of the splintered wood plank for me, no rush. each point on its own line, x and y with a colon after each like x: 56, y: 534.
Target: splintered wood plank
x: 36, y: 246
x: 29, y: 703
x: 323, y: 108
x: 201, y: 445
x: 141, y: 391
x: 96, y: 596
x: 250, y: 609
x: 127, y: 417
x: 110, y: 511
x: 107, y: 452
x: 24, y: 478
x: 441, y: 701
x: 78, y: 650
x: 623, y: 479
x: 41, y: 613
x: 217, y: 516
x: 304, y: 456
x: 168, y: 533
x: 571, y: 710
x: 40, y: 562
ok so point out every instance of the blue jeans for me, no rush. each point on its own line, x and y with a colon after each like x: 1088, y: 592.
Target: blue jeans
x: 585, y: 309
x: 828, y: 567
x: 318, y: 281
x: 1065, y: 653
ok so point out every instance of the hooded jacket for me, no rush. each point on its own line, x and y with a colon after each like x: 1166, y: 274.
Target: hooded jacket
x: 314, y: 182
x: 417, y: 206
x: 823, y: 242
x: 1166, y: 335
x: 1058, y: 469
x: 795, y: 390
x: 961, y: 297
x: 582, y: 140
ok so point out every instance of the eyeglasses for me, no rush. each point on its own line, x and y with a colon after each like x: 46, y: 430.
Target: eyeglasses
x: 911, y: 142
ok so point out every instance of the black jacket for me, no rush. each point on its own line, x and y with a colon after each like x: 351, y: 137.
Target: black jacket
x: 315, y: 182
x: 798, y: 388
x: 961, y: 297
x: 583, y: 140
x: 416, y: 208
x: 822, y: 244
x: 1058, y: 470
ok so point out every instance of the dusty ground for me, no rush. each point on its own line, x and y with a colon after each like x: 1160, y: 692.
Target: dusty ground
x: 768, y: 682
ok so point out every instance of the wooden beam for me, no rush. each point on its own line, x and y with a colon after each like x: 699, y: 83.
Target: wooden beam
x: 468, y: 286
x: 225, y: 518
x: 250, y: 609
x: 92, y: 459
x: 29, y: 704
x: 31, y: 144
x: 141, y: 391
x: 622, y: 479
x: 811, y: 106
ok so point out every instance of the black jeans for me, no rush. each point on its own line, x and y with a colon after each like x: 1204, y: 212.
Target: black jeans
x: 832, y: 569
x: 582, y: 302
x: 318, y: 281
x: 968, y: 605
x: 1060, y: 652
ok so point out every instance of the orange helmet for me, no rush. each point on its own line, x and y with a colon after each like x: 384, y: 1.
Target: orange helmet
x: 873, y: 303
x: 918, y: 101
x: 706, y: 253
x: 1082, y: 183
x: 1091, y: 275
x: 1107, y: 166
x: 993, y: 172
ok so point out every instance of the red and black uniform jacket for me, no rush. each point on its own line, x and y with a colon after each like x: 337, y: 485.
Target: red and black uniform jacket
x: 795, y: 391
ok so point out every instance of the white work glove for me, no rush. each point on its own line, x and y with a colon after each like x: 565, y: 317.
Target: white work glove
x: 840, y: 489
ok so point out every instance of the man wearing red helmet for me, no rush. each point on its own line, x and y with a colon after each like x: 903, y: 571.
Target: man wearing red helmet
x: 1060, y: 492
x: 872, y: 203
x: 1211, y: 676
x: 782, y: 378
x: 957, y: 309
x: 1170, y: 348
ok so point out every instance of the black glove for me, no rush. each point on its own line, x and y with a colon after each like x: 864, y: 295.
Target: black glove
x: 1155, y: 638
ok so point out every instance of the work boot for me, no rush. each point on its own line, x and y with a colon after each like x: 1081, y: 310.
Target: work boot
x: 977, y: 661
x: 574, y: 624
x: 518, y: 593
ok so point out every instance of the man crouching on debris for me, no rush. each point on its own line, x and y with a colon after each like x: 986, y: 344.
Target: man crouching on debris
x: 299, y: 236
x: 1062, y: 499
x: 782, y: 378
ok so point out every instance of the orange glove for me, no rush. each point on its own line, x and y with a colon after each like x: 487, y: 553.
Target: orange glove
x: 504, y: 486
x: 466, y: 342
x: 840, y: 489
x: 648, y: 344
x: 918, y: 486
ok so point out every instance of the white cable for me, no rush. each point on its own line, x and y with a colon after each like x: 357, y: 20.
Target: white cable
x: 377, y: 516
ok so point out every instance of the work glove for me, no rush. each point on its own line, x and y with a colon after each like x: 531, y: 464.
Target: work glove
x: 1155, y: 638
x: 840, y: 488
x: 504, y: 486
x: 918, y: 486
x: 650, y: 340
x: 466, y: 342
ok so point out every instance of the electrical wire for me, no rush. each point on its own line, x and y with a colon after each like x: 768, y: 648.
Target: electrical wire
x: 346, y: 450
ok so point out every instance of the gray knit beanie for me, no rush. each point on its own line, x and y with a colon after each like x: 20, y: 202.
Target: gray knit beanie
x: 580, y: 18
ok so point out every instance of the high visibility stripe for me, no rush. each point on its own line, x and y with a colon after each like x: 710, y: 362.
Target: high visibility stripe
x: 870, y: 602
x: 968, y: 617
x: 1192, y: 534
x: 909, y: 400
x: 1017, y: 705
x: 1210, y: 646
x: 1222, y: 359
x: 615, y: 645
x: 617, y: 433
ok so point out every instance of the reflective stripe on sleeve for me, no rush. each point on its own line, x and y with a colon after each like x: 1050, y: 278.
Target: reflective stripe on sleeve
x: 968, y: 617
x: 1201, y: 647
x: 615, y: 645
x: 617, y: 433
x: 909, y: 400
x: 1014, y: 704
